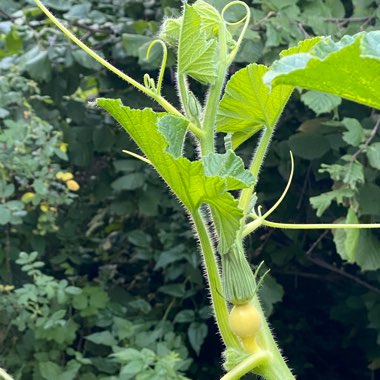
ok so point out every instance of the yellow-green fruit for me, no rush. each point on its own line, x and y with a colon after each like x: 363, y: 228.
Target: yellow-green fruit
x: 64, y: 176
x: 27, y: 197
x: 72, y: 185
x: 44, y: 207
x: 244, y: 320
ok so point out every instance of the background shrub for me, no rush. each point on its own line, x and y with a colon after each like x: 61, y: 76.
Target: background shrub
x: 106, y: 282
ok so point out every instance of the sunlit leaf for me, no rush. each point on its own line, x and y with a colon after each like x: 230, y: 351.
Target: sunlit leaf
x: 196, y: 54
x: 248, y: 105
x: 349, y: 68
x: 229, y: 166
x: 186, y: 178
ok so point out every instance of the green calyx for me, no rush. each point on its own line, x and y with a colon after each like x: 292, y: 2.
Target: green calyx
x: 239, y: 285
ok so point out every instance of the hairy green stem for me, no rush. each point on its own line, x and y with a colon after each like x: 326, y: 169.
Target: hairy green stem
x: 183, y: 92
x: 275, y: 368
x: 214, y: 94
x: 247, y: 365
x: 4, y: 375
x: 255, y: 167
x: 213, y: 277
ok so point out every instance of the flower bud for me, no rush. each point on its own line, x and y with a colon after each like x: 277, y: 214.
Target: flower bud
x: 238, y: 280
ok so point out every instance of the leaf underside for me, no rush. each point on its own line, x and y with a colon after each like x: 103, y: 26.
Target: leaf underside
x: 349, y: 68
x: 196, y: 53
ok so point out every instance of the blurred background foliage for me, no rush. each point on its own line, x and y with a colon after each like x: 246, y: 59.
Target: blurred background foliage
x: 104, y: 282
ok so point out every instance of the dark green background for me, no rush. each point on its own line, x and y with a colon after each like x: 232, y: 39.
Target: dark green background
x: 124, y: 246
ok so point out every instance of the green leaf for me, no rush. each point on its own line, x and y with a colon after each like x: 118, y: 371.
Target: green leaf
x: 49, y: 370
x: 346, y: 240
x: 368, y: 198
x: 186, y: 178
x: 131, y: 181
x: 5, y: 215
x: 248, y: 105
x: 133, y: 42
x: 309, y: 146
x: 355, y: 133
x: 197, y: 333
x: 13, y: 41
x: 175, y: 290
x: 85, y: 60
x: 185, y: 316
x: 368, y: 252
x: 230, y: 167
x: 320, y: 102
x: 349, y: 68
x: 196, y: 54
x: 271, y: 292
x: 103, y: 337
x: 37, y: 64
x: 210, y: 17
x: 302, y: 47
x: 323, y: 201
x: 373, y: 155
x: 174, y: 130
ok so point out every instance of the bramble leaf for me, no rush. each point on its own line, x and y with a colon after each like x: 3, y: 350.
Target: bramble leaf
x: 230, y: 167
x: 346, y: 240
x: 354, y: 62
x: 186, y: 178
x: 320, y: 102
x: 196, y: 54
x: 367, y: 254
x: 247, y: 105
x: 323, y: 201
x: 355, y: 131
x: 373, y: 155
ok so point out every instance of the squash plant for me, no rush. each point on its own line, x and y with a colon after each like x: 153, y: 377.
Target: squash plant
x: 217, y: 190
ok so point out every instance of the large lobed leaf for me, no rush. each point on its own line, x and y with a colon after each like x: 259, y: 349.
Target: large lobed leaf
x: 186, y: 178
x: 349, y: 68
x: 196, y: 53
x: 248, y: 105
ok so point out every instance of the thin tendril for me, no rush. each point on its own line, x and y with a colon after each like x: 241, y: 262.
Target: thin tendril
x: 273, y: 208
x: 259, y: 219
x: 163, y: 102
x: 135, y: 155
x: 163, y: 62
x: 245, y: 19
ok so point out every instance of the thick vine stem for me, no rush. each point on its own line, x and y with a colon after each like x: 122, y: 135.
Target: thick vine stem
x: 213, y: 276
x: 275, y: 368
x: 214, y: 94
x: 255, y: 167
x: 247, y: 365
